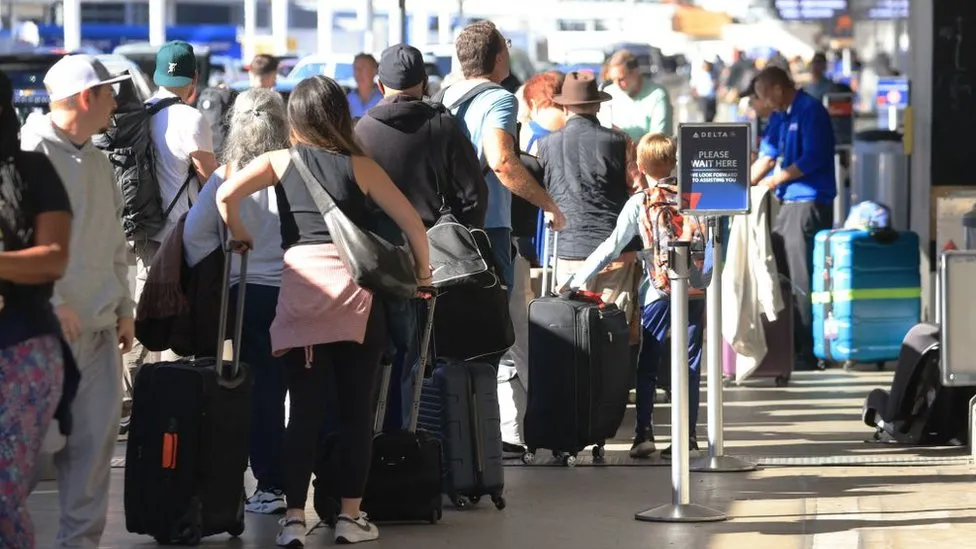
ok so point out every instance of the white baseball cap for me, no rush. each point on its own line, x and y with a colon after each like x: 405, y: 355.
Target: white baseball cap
x: 74, y: 74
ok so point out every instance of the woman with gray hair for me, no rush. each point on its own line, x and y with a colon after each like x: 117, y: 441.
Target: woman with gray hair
x: 258, y: 124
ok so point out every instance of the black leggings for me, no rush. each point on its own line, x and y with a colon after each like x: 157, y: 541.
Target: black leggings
x: 354, y: 368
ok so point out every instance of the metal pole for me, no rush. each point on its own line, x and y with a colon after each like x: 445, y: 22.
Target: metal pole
x: 840, y: 203
x: 250, y: 30
x: 893, y: 118
x: 681, y: 509
x: 403, y: 24
x: 716, y: 461
x: 279, y: 26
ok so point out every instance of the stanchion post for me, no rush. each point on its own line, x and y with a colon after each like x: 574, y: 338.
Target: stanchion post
x: 680, y: 509
x: 716, y: 461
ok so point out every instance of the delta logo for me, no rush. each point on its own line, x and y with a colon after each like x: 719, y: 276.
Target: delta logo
x: 712, y: 134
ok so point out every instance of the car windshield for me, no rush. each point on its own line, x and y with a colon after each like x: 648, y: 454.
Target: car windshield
x: 29, y: 93
x: 343, y: 71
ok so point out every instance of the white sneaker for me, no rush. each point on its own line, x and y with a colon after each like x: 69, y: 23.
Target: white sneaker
x: 292, y: 533
x: 349, y: 530
x: 266, y: 502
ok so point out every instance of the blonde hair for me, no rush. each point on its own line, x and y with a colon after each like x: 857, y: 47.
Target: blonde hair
x: 657, y: 149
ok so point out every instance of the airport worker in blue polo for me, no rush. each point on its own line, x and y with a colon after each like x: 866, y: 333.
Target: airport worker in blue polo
x: 805, y: 184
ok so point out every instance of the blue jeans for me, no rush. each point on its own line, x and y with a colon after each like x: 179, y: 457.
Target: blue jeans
x: 401, y: 324
x: 268, y: 401
x: 501, y: 247
x: 656, y: 321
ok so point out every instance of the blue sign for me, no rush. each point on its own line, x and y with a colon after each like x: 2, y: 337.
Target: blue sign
x: 221, y: 39
x: 892, y: 92
x: 714, y: 168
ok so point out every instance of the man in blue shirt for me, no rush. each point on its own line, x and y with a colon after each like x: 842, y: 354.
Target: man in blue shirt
x: 367, y: 94
x: 804, y: 182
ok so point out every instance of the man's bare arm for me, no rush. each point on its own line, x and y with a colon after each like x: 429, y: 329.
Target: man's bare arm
x: 761, y: 167
x: 500, y: 153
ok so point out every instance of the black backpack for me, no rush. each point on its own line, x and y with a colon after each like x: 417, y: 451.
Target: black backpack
x: 128, y: 143
x: 215, y: 103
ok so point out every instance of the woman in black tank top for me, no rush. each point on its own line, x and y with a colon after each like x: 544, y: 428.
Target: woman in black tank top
x: 321, y: 132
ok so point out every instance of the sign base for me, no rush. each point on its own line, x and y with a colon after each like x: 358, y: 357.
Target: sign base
x: 722, y: 464
x: 681, y: 513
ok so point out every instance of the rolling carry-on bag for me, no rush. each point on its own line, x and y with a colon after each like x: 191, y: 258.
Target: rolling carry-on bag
x: 404, y: 483
x: 581, y: 371
x: 779, y: 359
x: 459, y: 404
x: 189, y: 439
x: 866, y: 294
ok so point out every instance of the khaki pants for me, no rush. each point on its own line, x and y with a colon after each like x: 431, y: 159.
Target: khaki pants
x: 616, y: 284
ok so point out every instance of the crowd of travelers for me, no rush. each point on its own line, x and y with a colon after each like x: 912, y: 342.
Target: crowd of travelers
x: 596, y: 163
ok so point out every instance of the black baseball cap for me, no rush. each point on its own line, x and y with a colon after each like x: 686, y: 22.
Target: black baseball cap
x: 401, y: 67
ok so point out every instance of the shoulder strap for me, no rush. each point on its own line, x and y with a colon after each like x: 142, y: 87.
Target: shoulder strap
x: 472, y: 93
x: 162, y: 104
x: 323, y: 201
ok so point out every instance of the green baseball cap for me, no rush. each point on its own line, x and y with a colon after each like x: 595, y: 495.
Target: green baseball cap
x: 176, y: 65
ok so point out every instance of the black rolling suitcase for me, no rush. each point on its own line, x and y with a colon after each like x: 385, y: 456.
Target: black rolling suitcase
x: 459, y: 404
x: 188, y: 441
x: 581, y: 372
x: 405, y: 473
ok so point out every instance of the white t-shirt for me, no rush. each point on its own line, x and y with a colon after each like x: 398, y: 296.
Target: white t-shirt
x: 177, y: 131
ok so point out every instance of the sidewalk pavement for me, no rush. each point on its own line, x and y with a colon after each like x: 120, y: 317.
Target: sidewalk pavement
x: 821, y: 487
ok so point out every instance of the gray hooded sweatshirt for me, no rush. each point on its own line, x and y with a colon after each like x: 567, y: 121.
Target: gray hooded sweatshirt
x: 95, y: 284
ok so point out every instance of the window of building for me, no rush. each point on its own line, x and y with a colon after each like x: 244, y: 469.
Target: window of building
x: 571, y: 25
x: 140, y: 13
x: 103, y: 12
x: 202, y: 14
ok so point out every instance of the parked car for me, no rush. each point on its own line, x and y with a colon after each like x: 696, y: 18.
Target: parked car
x: 26, y: 72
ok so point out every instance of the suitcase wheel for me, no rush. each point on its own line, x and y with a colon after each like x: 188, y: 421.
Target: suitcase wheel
x: 475, y: 500
x: 529, y: 456
x: 499, y: 501
x: 782, y: 381
x: 569, y: 460
x: 849, y: 365
x: 237, y: 529
x: 460, y: 502
x: 599, y: 453
x: 880, y: 366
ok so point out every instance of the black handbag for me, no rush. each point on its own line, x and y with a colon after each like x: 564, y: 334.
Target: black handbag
x: 373, y: 263
x: 456, y: 259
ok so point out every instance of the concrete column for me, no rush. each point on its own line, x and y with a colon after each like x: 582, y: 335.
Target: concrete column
x: 419, y: 27
x: 445, y: 35
x: 326, y: 20
x: 279, y: 26
x: 366, y: 15
x: 71, y: 15
x: 395, y: 28
x: 157, y: 22
x: 250, y: 29
x: 921, y: 25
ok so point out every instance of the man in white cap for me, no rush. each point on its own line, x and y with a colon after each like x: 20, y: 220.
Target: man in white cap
x: 92, y: 300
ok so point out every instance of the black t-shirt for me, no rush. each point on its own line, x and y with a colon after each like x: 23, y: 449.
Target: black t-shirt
x: 27, y: 310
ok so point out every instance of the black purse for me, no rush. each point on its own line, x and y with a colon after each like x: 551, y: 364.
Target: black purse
x: 373, y: 263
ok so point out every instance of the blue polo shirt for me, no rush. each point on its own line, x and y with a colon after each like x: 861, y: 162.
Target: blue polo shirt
x: 357, y: 108
x: 769, y: 143
x: 807, y: 140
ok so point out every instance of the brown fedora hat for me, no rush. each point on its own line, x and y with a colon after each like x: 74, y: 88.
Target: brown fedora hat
x: 579, y: 88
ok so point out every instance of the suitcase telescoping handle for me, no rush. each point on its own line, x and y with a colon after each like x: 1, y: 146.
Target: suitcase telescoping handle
x: 232, y: 248
x: 423, y: 360
x: 550, y: 259
x: 418, y: 380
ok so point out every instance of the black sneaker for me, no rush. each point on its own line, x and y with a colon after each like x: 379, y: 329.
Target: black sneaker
x: 693, y: 450
x: 643, y: 446
x: 512, y: 451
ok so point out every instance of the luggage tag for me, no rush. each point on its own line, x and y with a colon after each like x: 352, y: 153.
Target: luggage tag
x: 831, y: 327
